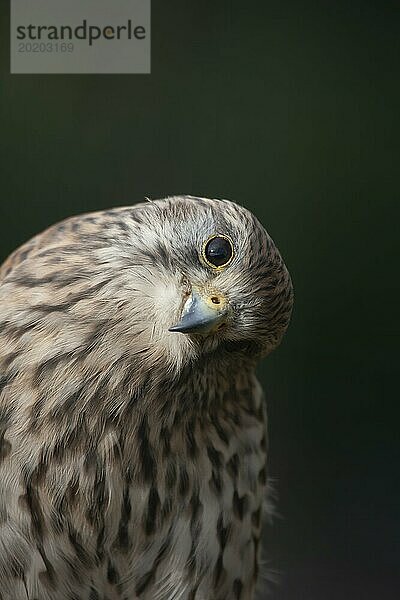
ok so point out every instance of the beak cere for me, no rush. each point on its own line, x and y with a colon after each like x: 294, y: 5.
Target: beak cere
x: 202, y: 314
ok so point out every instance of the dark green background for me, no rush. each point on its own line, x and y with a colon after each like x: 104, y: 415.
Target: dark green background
x: 291, y: 109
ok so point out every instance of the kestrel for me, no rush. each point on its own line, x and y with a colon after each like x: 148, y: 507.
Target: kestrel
x: 132, y: 425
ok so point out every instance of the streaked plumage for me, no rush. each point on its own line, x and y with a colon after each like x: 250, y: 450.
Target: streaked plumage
x: 133, y: 458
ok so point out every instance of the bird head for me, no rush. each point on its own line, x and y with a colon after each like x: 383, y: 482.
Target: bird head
x: 213, y: 279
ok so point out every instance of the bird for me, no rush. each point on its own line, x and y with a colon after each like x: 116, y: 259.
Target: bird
x: 133, y: 434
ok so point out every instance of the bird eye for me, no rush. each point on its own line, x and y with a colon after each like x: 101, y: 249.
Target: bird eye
x: 218, y: 251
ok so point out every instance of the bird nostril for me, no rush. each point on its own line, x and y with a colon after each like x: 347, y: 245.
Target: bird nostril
x: 215, y: 300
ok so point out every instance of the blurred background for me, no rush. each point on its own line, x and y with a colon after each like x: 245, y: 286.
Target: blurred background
x: 291, y: 109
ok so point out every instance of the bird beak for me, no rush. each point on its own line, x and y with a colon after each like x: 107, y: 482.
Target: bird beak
x: 202, y: 314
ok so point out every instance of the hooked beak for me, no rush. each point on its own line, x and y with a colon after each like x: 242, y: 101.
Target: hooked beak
x: 202, y: 314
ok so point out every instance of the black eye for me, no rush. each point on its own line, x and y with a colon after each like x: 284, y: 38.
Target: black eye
x: 218, y: 251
